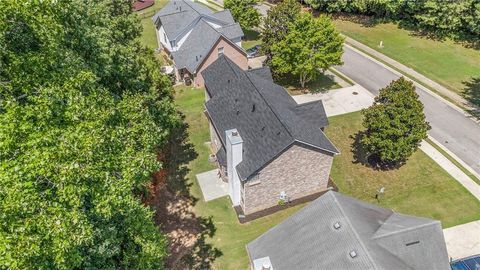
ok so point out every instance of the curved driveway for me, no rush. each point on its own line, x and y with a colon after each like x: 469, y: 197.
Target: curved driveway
x: 451, y: 128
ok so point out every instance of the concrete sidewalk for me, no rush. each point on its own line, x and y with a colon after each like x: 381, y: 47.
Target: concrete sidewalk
x: 452, y: 169
x: 412, y: 73
x: 463, y: 240
x: 340, y: 101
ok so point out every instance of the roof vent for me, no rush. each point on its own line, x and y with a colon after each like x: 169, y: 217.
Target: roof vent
x: 196, y: 58
x: 235, y: 133
x: 412, y: 243
x: 337, y: 225
x: 228, y: 80
x: 353, y: 254
x: 253, y: 107
x: 180, y: 8
x: 238, y: 112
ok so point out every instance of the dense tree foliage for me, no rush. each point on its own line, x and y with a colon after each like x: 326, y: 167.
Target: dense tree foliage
x: 275, y: 25
x: 83, y: 108
x: 457, y: 19
x: 311, y: 46
x: 395, y: 124
x: 244, y: 12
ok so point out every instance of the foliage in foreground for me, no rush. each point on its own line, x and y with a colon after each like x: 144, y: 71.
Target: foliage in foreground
x: 83, y: 109
x: 457, y: 19
x: 395, y: 124
x: 311, y: 46
x: 244, y: 12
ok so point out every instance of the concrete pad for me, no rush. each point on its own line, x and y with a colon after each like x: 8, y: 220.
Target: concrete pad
x: 211, y: 185
x: 256, y: 62
x: 463, y: 240
x: 340, y: 101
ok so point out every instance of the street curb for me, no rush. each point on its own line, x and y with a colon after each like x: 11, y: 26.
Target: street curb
x: 437, y: 96
x: 455, y: 157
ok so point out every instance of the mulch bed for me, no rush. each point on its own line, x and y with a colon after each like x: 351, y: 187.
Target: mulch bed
x: 142, y: 4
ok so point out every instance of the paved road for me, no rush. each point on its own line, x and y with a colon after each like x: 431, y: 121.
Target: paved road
x: 450, y: 127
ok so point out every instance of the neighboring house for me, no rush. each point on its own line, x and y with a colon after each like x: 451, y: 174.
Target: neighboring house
x: 338, y: 232
x: 267, y: 146
x: 194, y: 36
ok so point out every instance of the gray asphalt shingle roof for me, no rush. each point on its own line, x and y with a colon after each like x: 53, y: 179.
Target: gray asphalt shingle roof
x: 265, y: 115
x: 381, y: 238
x: 178, y: 15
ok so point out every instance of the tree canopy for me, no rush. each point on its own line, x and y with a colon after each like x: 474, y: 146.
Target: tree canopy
x: 244, y: 12
x: 83, y: 109
x: 457, y: 19
x: 275, y: 25
x: 395, y: 124
x: 311, y: 46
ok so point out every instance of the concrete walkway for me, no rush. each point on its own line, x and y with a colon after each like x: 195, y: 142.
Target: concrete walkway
x: 211, y: 185
x: 452, y: 169
x: 463, y: 240
x: 340, y: 101
x: 412, y: 73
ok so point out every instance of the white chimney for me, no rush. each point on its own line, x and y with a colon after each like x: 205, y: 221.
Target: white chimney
x: 262, y: 264
x: 234, y: 147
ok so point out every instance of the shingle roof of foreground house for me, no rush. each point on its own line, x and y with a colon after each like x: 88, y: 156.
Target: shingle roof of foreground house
x: 178, y: 17
x: 338, y: 232
x: 265, y: 115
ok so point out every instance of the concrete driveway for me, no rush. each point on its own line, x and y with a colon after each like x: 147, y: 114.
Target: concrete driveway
x: 463, y: 240
x: 340, y: 101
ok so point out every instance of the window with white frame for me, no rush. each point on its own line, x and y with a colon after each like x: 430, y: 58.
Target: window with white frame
x: 220, y: 51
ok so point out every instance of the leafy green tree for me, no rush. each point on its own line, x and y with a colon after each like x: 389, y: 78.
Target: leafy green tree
x: 83, y: 110
x: 275, y: 25
x: 311, y: 46
x: 244, y: 12
x: 395, y: 124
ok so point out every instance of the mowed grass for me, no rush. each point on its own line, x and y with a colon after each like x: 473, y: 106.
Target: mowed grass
x: 149, y: 37
x: 420, y: 187
x: 445, y: 62
x: 231, y: 237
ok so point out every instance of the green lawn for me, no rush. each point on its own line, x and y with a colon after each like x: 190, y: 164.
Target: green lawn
x: 230, y: 237
x: 250, y: 39
x: 450, y: 64
x: 420, y: 187
x: 322, y: 83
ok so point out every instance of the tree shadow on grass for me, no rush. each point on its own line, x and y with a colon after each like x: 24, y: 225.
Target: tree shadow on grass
x: 472, y: 94
x: 173, y: 204
x: 361, y: 155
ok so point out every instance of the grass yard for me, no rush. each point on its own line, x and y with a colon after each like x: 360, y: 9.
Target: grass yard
x: 450, y: 64
x: 230, y: 237
x: 322, y: 83
x: 420, y: 187
x: 250, y: 39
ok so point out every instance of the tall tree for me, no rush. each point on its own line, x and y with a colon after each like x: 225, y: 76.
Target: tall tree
x: 83, y: 109
x: 275, y: 25
x: 311, y: 46
x: 395, y: 124
x: 244, y: 12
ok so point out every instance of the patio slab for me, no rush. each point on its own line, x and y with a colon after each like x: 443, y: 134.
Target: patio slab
x: 211, y: 185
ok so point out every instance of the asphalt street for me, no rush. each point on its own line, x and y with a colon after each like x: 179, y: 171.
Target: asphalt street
x: 454, y: 130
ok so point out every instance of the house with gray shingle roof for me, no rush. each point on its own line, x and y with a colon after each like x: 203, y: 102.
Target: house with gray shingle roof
x: 339, y: 232
x: 194, y: 36
x: 269, y: 148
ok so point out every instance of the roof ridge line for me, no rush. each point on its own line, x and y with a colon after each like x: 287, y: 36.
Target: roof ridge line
x: 433, y: 222
x: 269, y: 106
x: 353, y: 230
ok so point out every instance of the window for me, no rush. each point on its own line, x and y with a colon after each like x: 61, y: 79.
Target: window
x: 220, y: 51
x: 165, y: 37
